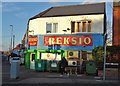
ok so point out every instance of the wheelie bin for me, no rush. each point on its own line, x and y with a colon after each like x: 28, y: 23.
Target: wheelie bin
x: 91, y: 68
x: 52, y: 66
x: 40, y: 65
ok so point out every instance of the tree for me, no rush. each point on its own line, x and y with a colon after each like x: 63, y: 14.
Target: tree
x: 98, y: 54
x: 114, y: 50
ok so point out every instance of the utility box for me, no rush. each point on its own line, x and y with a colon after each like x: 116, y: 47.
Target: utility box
x: 14, y: 69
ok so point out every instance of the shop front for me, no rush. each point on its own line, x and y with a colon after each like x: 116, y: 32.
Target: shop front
x: 43, y: 60
x: 50, y: 48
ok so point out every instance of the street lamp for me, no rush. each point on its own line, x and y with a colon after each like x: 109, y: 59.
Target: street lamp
x: 13, y: 41
x: 11, y: 36
x: 28, y: 31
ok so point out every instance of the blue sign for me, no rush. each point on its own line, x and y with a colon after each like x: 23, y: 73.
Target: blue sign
x: 97, y: 40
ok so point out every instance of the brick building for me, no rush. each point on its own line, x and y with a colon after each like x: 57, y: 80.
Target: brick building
x: 116, y: 31
x: 116, y: 23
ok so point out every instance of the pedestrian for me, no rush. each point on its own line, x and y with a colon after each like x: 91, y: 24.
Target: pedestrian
x: 63, y: 64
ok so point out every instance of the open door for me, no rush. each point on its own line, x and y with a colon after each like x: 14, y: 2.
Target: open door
x: 32, y: 61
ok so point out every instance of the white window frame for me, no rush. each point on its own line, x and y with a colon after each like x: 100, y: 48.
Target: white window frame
x: 52, y: 29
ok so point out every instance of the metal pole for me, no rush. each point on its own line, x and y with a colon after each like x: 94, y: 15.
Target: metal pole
x: 13, y: 41
x: 11, y: 36
x: 104, y: 68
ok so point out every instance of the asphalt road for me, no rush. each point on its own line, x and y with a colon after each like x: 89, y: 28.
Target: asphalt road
x: 33, y: 78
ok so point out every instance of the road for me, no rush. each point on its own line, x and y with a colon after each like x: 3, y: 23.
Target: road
x: 32, y: 78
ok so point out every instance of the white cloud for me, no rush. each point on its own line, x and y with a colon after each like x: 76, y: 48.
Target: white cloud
x: 10, y: 7
x: 72, y: 0
x: 93, y: 1
x: 21, y: 14
x: 57, y: 0
x: 96, y: 1
x: 24, y: 0
x: 88, y: 1
x: 82, y: 1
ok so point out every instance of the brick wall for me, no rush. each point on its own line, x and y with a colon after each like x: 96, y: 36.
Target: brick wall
x: 116, y: 24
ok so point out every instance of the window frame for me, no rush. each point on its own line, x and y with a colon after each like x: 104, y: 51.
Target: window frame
x: 53, y: 30
x: 87, y: 26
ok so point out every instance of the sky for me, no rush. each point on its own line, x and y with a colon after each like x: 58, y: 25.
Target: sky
x: 18, y: 14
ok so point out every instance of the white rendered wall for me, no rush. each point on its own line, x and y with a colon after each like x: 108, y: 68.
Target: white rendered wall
x: 64, y: 22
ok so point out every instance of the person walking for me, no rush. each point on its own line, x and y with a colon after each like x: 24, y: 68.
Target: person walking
x: 63, y: 64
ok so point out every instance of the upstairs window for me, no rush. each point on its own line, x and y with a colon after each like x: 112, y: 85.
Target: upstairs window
x: 81, y: 26
x: 89, y: 26
x: 51, y: 27
x: 72, y: 27
x: 84, y: 29
x: 55, y: 27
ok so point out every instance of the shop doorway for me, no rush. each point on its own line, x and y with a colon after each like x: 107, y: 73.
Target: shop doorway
x: 32, y: 60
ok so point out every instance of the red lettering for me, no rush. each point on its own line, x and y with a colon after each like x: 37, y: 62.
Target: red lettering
x: 32, y: 41
x: 68, y: 40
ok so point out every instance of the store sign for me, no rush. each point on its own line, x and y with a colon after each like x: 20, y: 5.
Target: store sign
x: 32, y: 41
x: 68, y: 40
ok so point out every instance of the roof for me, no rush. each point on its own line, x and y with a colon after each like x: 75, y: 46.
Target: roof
x: 17, y: 47
x: 84, y: 9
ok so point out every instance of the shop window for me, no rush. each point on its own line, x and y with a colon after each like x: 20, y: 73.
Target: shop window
x: 89, y: 56
x: 80, y: 26
x: 84, y: 55
x: 51, y: 27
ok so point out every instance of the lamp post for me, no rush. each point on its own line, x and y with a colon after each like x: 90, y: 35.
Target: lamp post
x: 104, y: 67
x: 28, y: 31
x: 11, y: 36
x: 13, y: 41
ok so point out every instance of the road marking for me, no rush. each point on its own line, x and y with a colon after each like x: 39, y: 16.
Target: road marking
x: 79, y: 75
x: 98, y: 80
x: 97, y: 77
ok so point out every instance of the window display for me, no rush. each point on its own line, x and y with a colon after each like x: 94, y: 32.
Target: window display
x: 50, y: 56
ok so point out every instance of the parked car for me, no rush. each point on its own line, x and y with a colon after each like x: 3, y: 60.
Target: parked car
x: 15, y: 59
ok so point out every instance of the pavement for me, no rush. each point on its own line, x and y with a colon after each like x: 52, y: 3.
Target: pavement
x: 33, y: 78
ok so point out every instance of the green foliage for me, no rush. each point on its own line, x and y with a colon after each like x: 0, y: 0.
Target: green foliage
x: 113, y: 49
x: 98, y: 54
